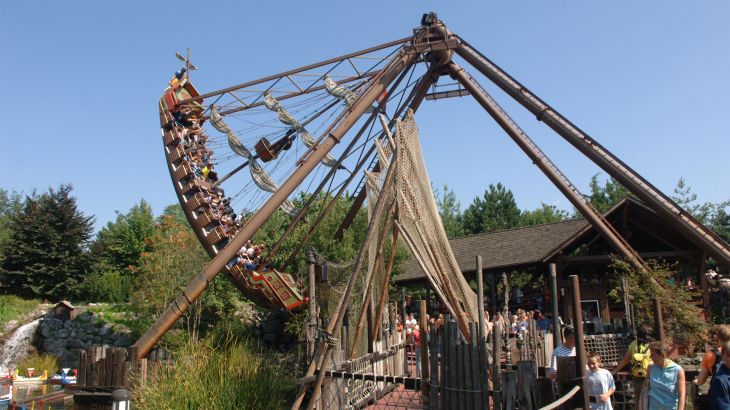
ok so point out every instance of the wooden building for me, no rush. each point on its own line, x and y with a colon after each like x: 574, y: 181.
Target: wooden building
x: 577, y: 249
x: 64, y: 311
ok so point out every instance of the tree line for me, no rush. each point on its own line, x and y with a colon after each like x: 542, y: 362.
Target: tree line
x: 496, y: 209
x: 48, y: 249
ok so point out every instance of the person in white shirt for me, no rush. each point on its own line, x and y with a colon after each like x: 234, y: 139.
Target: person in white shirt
x: 599, y: 384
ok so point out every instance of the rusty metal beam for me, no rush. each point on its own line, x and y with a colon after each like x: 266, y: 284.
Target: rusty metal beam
x: 200, y: 282
x: 299, y: 70
x: 550, y: 170
x: 296, y: 94
x: 635, y: 183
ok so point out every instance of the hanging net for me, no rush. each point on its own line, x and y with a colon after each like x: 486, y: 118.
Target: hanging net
x: 420, y: 224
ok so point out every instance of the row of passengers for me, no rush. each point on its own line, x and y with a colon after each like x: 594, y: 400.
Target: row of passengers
x: 250, y: 256
x: 200, y: 158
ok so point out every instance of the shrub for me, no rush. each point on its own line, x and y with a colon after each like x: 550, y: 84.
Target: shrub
x: 226, y: 375
x: 108, y: 286
x: 682, y: 318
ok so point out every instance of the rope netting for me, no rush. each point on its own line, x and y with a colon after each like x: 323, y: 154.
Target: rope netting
x: 421, y: 225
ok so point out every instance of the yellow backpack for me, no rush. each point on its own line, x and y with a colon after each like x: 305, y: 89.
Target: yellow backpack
x: 640, y: 361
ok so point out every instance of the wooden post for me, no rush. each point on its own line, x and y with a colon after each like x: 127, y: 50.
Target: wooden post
x: 493, y: 293
x: 580, y: 347
x: 451, y: 338
x: 81, y: 375
x: 481, y: 346
x: 477, y: 384
x: 557, y: 334
x: 496, y: 347
x: 312, y: 328
x: 434, y: 371
x: 423, y: 335
x: 403, y: 322
x: 480, y: 299
x: 658, y: 319
x: 705, y: 287
x: 462, y: 372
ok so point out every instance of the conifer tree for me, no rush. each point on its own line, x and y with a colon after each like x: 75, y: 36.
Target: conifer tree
x: 45, y: 255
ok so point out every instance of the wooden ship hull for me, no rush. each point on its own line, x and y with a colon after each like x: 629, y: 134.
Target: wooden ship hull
x: 267, y: 288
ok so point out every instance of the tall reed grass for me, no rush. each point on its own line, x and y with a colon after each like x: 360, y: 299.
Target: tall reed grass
x: 38, y: 362
x: 210, y: 375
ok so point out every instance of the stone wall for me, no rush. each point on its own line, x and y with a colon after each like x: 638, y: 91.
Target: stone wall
x: 64, y: 339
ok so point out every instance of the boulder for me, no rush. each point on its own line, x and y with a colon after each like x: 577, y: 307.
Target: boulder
x: 61, y: 333
x: 122, y: 341
x: 104, y: 330
x: 75, y: 344
x: 53, y: 323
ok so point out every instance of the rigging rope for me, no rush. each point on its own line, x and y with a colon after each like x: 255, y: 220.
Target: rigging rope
x: 260, y: 177
x: 274, y: 105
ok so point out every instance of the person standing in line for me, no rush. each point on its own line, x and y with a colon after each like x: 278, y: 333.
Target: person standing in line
x: 720, y: 386
x: 600, y: 384
x: 565, y: 349
x: 665, y: 380
x: 639, y: 356
x: 712, y: 360
x: 417, y: 341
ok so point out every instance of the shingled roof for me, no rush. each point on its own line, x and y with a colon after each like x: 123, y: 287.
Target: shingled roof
x: 503, y: 249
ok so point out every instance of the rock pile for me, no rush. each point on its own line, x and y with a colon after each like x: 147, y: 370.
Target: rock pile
x: 65, y: 339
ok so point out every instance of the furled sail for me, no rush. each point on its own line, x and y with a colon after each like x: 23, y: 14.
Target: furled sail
x: 259, y: 176
x: 339, y: 91
x: 274, y: 105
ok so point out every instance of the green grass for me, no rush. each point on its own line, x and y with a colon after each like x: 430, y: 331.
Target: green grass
x: 38, y: 362
x: 118, y: 316
x: 231, y: 375
x: 13, y: 307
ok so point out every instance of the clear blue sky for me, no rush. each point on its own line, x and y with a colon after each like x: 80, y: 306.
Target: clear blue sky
x: 648, y: 79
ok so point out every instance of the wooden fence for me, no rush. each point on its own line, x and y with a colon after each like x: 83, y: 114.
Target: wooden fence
x: 104, y: 366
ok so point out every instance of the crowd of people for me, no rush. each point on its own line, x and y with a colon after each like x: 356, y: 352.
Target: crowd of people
x: 658, y: 382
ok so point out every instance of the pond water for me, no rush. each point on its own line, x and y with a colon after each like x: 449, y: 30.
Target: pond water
x: 25, y: 393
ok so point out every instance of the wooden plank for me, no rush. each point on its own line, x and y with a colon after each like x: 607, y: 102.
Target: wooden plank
x: 126, y: 374
x: 476, y: 368
x: 445, y: 366
x: 109, y: 367
x: 101, y: 373
x: 81, y: 375
x: 119, y: 357
x: 526, y: 375
x: 509, y: 390
x: 143, y: 371
x: 434, y: 373
x: 91, y: 354
x: 94, y: 374
x: 453, y: 371
x: 423, y: 333
x: 459, y: 368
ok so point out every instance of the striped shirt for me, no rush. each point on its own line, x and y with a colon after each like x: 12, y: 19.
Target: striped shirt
x: 560, y: 351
